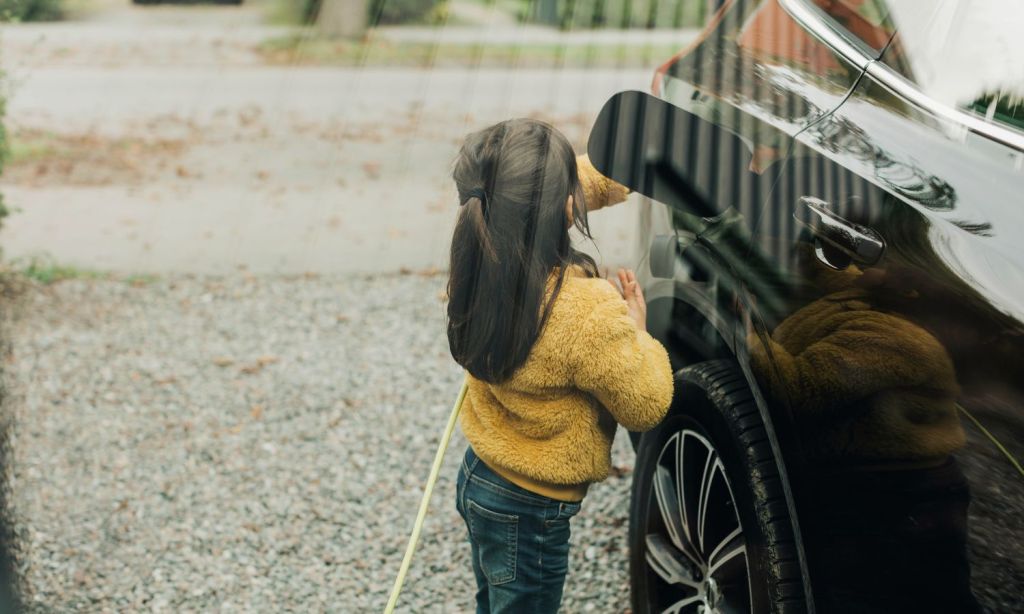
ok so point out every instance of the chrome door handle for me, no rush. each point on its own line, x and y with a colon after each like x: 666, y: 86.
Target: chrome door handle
x: 862, y: 244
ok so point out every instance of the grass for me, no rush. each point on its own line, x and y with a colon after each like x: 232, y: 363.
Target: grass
x: 43, y: 270
x: 28, y: 146
x: 39, y: 146
x: 38, y: 157
x: 304, y: 49
x: 283, y: 12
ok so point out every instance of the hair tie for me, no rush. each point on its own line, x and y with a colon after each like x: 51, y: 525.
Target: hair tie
x: 475, y: 193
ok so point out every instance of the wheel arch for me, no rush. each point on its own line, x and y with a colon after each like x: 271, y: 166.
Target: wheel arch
x: 680, y: 308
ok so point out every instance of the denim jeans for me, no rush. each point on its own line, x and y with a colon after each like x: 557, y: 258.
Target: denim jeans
x: 519, y: 539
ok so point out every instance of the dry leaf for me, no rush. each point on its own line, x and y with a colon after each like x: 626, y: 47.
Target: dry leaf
x: 372, y: 169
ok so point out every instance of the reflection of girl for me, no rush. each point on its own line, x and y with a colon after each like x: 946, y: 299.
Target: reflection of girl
x: 557, y: 357
x: 873, y: 396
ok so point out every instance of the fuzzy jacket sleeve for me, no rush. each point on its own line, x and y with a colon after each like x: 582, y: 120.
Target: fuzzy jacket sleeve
x: 625, y: 368
x: 852, y: 355
x: 598, y: 190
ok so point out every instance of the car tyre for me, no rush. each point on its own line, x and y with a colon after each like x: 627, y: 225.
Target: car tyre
x: 710, y: 530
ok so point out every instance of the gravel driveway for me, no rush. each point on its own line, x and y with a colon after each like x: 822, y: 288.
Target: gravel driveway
x: 252, y: 444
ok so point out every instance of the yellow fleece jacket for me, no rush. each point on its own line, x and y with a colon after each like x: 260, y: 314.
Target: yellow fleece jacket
x: 598, y: 190
x: 549, y: 427
x: 862, y: 384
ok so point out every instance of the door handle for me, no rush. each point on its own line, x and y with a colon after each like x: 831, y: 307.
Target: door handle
x: 862, y: 244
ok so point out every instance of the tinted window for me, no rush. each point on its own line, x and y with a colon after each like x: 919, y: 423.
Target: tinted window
x: 963, y: 53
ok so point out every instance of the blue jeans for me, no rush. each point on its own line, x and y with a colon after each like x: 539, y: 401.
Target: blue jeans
x: 520, y: 541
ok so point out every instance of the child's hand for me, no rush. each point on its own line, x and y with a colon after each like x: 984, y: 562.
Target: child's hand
x: 633, y: 296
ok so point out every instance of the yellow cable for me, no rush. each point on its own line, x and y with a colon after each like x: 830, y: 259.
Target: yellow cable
x: 427, y: 491
x: 992, y: 437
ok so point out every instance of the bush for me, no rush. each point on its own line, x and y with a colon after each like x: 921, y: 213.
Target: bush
x: 4, y: 150
x: 400, y: 11
x: 576, y: 14
x: 309, y: 9
x: 30, y: 10
x: 384, y: 12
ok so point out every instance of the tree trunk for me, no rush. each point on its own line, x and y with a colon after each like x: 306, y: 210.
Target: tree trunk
x: 342, y: 18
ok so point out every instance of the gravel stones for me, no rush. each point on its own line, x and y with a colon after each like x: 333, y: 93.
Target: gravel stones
x: 252, y: 444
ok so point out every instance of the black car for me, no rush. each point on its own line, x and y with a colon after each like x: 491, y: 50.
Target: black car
x: 830, y: 246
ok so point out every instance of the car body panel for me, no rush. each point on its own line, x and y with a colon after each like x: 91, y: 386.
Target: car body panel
x: 945, y: 200
x: 820, y: 120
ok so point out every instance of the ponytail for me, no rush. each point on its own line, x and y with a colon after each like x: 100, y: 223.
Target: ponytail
x: 513, y: 180
x: 475, y: 208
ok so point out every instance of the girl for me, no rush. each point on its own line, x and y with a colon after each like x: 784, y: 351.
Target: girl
x: 556, y: 357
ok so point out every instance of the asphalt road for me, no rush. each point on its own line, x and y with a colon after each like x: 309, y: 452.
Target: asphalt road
x: 198, y: 158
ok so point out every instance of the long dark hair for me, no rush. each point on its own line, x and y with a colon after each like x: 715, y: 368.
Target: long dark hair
x: 513, y: 180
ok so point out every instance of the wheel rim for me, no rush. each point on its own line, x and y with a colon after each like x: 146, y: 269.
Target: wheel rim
x: 695, y: 551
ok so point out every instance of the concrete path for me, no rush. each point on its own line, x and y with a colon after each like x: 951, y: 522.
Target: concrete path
x: 193, y: 157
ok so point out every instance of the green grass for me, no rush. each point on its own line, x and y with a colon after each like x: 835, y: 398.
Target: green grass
x: 283, y: 12
x: 307, y: 49
x: 43, y: 270
x: 32, y: 149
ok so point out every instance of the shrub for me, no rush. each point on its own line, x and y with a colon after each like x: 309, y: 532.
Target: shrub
x: 400, y: 11
x: 383, y: 12
x: 30, y: 10
x: 575, y: 14
x: 4, y: 150
x: 309, y: 9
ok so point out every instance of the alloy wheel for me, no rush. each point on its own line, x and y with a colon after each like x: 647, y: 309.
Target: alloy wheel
x: 696, y: 553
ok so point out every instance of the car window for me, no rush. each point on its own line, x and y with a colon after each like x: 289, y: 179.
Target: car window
x: 866, y: 22
x: 963, y: 53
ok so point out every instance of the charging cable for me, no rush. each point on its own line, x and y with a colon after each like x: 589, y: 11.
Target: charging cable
x: 427, y: 491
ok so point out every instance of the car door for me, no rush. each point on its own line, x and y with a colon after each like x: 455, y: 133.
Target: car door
x: 710, y: 162
x: 895, y: 224
x: 751, y: 81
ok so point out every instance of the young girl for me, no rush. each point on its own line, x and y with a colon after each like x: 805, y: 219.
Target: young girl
x: 556, y: 357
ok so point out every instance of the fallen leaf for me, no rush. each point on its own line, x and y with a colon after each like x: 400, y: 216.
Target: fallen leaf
x: 372, y: 169
x: 223, y: 361
x: 251, y: 369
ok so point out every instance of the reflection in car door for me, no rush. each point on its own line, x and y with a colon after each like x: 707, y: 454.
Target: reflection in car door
x: 758, y: 74
x: 896, y: 354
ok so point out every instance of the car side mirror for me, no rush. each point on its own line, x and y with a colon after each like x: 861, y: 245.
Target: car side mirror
x: 664, y: 152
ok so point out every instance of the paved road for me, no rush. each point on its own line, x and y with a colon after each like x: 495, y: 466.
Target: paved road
x: 225, y: 162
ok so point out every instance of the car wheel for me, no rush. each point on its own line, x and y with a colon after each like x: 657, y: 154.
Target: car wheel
x: 710, y: 530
